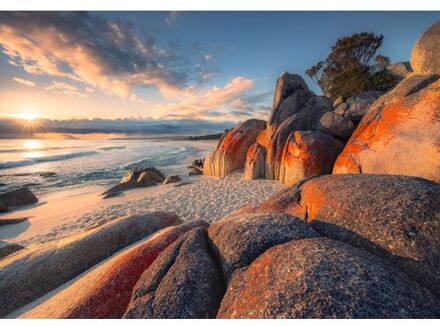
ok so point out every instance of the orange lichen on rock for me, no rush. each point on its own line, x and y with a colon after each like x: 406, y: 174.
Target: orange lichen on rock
x: 230, y: 153
x: 308, y: 153
x: 399, y: 136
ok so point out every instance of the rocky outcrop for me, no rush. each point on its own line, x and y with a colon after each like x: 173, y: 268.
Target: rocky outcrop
x: 183, y: 282
x: 323, y: 278
x: 230, y: 153
x: 306, y: 154
x: 400, y: 133
x: 359, y: 104
x: 240, y: 240
x: 425, y: 55
x: 255, y: 162
x: 105, y: 291
x: 395, y: 217
x: 145, y: 177
x: 306, y: 119
x: 336, y: 125
x: 18, y: 197
x: 8, y: 221
x: 41, y: 268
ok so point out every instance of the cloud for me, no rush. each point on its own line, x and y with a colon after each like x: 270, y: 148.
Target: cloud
x: 25, y: 82
x: 99, y: 52
x: 64, y: 88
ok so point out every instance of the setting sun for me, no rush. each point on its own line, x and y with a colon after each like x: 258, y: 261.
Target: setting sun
x: 29, y: 116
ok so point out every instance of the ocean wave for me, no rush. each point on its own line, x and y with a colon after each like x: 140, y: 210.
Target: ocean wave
x: 44, y: 159
x: 23, y: 150
x: 110, y: 148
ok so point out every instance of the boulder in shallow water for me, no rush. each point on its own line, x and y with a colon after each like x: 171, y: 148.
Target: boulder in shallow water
x: 324, y: 278
x: 183, y: 282
x: 105, y: 291
x: 40, y: 268
x: 18, y: 197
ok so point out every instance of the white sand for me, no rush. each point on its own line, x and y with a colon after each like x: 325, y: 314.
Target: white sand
x: 66, y: 212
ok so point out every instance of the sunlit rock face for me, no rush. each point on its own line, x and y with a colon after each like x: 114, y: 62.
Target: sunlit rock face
x: 294, y: 107
x: 255, y: 162
x: 231, y: 150
x: 400, y: 134
x: 306, y: 154
x: 425, y: 55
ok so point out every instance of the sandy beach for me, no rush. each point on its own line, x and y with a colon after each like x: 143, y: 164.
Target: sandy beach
x: 67, y: 212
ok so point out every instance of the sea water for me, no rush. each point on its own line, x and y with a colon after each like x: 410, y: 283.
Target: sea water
x: 48, y: 165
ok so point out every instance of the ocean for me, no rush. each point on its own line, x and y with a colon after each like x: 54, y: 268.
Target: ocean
x: 48, y: 165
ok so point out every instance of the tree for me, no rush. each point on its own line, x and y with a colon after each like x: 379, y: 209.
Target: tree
x: 350, y: 68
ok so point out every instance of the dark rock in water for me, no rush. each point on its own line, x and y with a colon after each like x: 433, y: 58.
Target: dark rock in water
x: 137, y: 178
x: 9, y: 249
x: 47, y: 174
x: 40, y: 268
x: 195, y: 171
x: 171, y: 179
x: 8, y: 221
x: 238, y: 240
x: 324, y: 278
x: 19, y: 197
x: 3, y: 208
x: 183, y: 282
x: 2, y: 184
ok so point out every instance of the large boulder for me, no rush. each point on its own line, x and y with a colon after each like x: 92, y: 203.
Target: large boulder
x: 425, y: 55
x: 18, y: 197
x: 255, y: 162
x: 400, y: 133
x: 359, y: 104
x: 324, y: 278
x: 38, y: 269
x: 286, y: 85
x: 239, y: 240
x: 306, y: 119
x: 105, y: 291
x: 396, y: 217
x: 183, y: 282
x: 336, y: 125
x: 308, y: 153
x: 230, y: 153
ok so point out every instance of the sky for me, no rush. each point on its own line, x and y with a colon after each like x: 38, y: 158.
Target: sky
x: 210, y: 68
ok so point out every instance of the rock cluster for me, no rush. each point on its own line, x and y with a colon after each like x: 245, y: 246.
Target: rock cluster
x: 327, y: 247
x: 370, y: 132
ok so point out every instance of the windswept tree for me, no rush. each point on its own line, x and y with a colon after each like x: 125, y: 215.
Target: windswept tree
x: 352, y: 66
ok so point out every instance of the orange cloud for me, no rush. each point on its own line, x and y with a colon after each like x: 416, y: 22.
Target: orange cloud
x: 25, y: 82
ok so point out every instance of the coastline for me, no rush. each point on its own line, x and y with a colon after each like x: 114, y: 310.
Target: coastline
x: 64, y: 213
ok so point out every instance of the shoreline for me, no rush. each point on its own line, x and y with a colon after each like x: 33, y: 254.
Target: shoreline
x: 63, y: 213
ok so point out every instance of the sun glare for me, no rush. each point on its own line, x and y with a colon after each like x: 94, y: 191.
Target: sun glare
x: 28, y: 116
